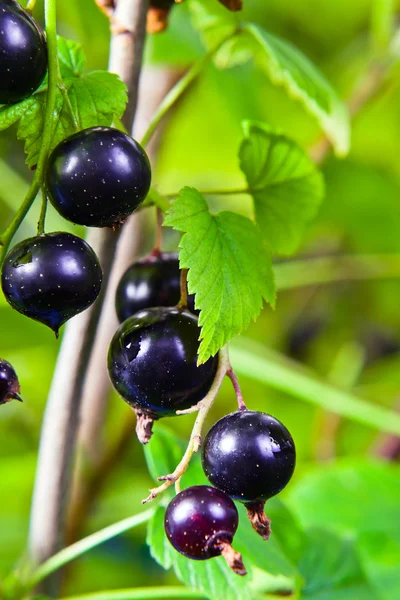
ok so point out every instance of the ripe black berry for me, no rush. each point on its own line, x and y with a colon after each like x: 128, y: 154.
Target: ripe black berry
x: 98, y: 177
x: 9, y: 384
x: 23, y: 53
x: 51, y: 278
x: 251, y: 457
x: 152, y: 362
x: 153, y: 281
x: 200, y: 523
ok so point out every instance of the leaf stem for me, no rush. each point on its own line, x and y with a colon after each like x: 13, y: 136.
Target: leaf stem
x: 49, y: 120
x: 42, y: 217
x: 30, y: 5
x: 203, y: 408
x: 232, y: 192
x: 235, y: 382
x: 182, y: 304
x: 173, y: 96
x: 72, y: 552
x: 149, y: 593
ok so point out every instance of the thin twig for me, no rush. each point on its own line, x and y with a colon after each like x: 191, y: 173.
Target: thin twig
x: 235, y: 382
x: 195, y: 438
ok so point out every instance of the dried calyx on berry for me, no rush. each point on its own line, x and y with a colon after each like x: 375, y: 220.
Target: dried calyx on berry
x: 157, y: 15
x: 9, y: 384
x: 152, y: 363
x: 250, y: 456
x: 200, y: 523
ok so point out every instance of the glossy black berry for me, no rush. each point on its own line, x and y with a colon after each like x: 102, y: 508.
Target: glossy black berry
x: 153, y: 281
x: 200, y: 523
x: 23, y: 53
x: 51, y: 278
x: 250, y: 456
x: 98, y: 177
x: 152, y: 362
x: 9, y: 384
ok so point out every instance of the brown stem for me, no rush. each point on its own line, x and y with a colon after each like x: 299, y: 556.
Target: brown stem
x: 234, y: 559
x: 62, y: 410
x: 235, y: 382
x: 184, y: 291
x: 258, y: 519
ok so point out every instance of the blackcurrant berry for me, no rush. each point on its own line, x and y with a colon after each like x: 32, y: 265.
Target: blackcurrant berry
x: 23, y: 53
x: 152, y: 362
x: 9, y: 384
x: 153, y: 281
x: 98, y: 177
x: 51, y: 278
x: 251, y: 457
x: 200, y: 523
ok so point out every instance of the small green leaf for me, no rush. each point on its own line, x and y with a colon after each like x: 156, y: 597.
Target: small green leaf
x: 380, y: 557
x: 164, y: 452
x: 286, y: 186
x: 229, y: 268
x: 94, y: 98
x: 286, y: 66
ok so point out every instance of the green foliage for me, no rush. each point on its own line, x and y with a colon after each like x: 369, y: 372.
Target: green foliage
x: 283, y: 63
x: 83, y: 100
x: 286, y: 187
x: 229, y: 268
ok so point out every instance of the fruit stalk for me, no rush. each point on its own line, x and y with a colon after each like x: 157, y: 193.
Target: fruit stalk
x: 203, y: 408
x: 62, y: 410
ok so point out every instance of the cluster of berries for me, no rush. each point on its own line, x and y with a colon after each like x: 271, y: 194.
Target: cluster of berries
x: 97, y: 178
x: 248, y: 456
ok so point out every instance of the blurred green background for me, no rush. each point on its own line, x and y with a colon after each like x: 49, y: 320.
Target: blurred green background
x: 348, y: 332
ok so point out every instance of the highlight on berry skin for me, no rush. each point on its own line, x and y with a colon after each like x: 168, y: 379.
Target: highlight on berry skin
x: 152, y: 363
x: 251, y: 456
x: 51, y: 278
x: 9, y: 383
x: 200, y: 523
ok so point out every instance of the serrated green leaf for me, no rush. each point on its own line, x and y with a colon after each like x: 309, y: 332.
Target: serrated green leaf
x: 95, y: 98
x: 230, y: 269
x: 164, y: 452
x: 71, y: 58
x: 286, y: 186
x: 286, y: 66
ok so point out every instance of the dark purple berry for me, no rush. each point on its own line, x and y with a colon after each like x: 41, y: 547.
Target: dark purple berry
x: 152, y: 362
x: 98, y: 177
x: 9, y: 384
x: 251, y: 457
x: 153, y: 281
x: 51, y: 278
x: 23, y: 53
x: 200, y: 523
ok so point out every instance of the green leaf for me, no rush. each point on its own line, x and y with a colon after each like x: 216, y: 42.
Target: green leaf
x: 286, y: 186
x: 229, y: 268
x: 329, y: 562
x: 352, y: 497
x: 147, y: 593
x: 212, y: 577
x: 164, y: 452
x: 286, y: 66
x: 94, y: 98
x: 270, y: 368
x: 380, y: 557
